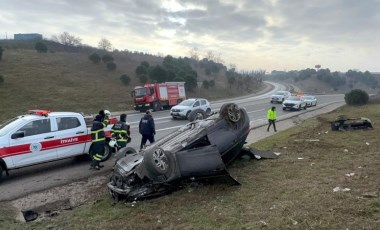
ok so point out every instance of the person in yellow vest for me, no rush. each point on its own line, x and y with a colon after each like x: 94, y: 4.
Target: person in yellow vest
x: 98, y: 139
x: 272, y: 116
x: 122, y: 131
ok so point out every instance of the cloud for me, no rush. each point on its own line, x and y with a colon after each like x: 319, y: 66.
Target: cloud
x: 294, y: 33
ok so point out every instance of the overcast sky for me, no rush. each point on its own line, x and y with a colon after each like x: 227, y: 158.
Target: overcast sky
x: 252, y: 34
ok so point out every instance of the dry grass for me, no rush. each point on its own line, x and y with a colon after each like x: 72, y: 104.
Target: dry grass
x: 64, y: 81
x: 286, y: 193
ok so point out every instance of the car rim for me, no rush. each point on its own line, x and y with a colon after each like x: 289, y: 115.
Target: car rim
x: 199, y: 116
x: 234, y: 113
x: 160, y: 159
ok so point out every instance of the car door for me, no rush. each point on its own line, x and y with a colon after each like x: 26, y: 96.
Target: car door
x: 71, y: 136
x: 35, y: 145
x: 203, y: 105
x: 196, y: 105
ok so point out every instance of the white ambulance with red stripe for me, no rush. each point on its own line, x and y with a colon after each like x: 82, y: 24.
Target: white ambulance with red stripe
x: 43, y: 136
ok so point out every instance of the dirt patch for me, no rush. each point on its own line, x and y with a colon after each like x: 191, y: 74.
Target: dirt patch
x: 59, y: 199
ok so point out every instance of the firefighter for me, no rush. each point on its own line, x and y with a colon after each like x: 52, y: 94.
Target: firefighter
x: 98, y: 139
x: 121, y: 130
x: 272, y: 116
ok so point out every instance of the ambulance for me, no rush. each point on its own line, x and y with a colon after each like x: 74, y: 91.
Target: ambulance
x: 43, y: 136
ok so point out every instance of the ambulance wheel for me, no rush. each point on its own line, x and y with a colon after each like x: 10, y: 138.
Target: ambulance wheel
x: 107, y: 153
x: 1, y: 171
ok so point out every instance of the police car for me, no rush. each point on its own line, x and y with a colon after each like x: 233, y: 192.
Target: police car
x: 43, y: 136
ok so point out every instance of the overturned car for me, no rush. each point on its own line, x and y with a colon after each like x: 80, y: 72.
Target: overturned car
x: 200, y: 149
x: 344, y: 123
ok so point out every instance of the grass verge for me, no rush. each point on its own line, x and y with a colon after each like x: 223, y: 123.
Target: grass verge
x: 292, y: 192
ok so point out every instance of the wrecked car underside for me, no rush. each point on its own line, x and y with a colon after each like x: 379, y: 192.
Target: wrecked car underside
x: 200, y: 149
x: 343, y: 123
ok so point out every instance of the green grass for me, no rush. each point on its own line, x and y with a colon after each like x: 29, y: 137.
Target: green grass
x: 285, y: 193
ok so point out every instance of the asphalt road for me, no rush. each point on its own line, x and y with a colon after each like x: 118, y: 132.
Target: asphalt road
x: 40, y: 177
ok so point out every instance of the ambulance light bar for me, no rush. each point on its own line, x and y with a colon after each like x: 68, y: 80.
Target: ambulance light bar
x: 39, y: 112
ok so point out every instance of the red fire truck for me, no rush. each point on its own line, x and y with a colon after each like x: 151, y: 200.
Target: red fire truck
x: 158, y: 96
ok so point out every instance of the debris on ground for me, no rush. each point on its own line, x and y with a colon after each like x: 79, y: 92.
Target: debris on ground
x: 350, y: 174
x: 339, y: 189
x: 370, y: 195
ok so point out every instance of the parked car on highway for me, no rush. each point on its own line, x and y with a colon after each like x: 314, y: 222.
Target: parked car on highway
x: 310, y: 100
x: 43, y: 136
x: 294, y: 103
x: 280, y: 96
x: 200, y: 149
x: 183, y: 109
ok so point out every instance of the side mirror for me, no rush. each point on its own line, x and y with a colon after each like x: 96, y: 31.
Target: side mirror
x: 18, y: 134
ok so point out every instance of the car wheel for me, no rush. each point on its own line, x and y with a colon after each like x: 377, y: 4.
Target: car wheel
x: 1, y: 171
x: 123, y: 152
x: 107, y: 153
x: 304, y: 107
x: 208, y: 111
x: 315, y: 104
x: 187, y: 114
x: 158, y: 162
x: 174, y: 118
x: 231, y: 111
x: 299, y: 108
x: 197, y: 114
x: 284, y: 108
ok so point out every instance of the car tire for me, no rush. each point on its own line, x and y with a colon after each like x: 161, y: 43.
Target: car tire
x: 197, y: 114
x: 124, y: 152
x: 159, y: 162
x: 299, y: 108
x: 107, y: 153
x: 187, y: 115
x: 231, y: 112
x: 208, y: 111
x: 1, y: 171
x: 283, y: 108
x: 174, y: 118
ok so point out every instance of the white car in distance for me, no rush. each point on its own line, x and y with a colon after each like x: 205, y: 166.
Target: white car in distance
x: 310, y: 100
x: 294, y: 103
x: 183, y: 109
x: 280, y: 96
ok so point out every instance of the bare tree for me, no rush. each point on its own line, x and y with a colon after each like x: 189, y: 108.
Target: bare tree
x: 105, y: 44
x: 210, y: 55
x: 67, y: 39
x: 194, y: 53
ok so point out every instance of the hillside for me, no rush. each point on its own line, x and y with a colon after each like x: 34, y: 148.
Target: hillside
x: 60, y: 80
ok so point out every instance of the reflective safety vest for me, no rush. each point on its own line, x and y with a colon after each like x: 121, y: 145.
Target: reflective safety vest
x: 97, y: 131
x: 271, y: 115
x: 121, y: 131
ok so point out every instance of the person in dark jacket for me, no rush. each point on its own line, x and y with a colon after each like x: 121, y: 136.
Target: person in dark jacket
x: 147, y: 129
x: 98, y: 139
x: 121, y: 130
